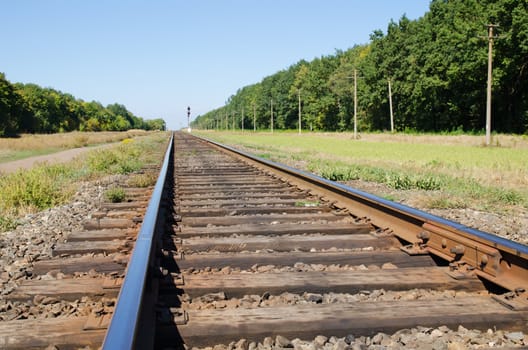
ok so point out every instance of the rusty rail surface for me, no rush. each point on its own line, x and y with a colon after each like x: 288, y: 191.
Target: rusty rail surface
x: 469, y: 251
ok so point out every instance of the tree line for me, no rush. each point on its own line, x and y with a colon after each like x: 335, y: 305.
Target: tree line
x: 436, y: 66
x: 29, y: 108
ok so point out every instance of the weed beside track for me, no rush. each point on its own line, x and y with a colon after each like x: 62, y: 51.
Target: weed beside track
x: 45, y: 186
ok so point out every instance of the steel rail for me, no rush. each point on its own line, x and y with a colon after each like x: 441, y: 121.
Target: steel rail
x: 471, y: 251
x: 123, y: 327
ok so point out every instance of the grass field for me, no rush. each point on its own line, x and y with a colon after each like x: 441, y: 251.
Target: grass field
x: 35, y: 145
x: 45, y: 186
x: 458, y: 170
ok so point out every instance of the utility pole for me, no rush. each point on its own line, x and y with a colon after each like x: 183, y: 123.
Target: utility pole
x: 272, y: 116
x: 390, y: 106
x: 355, y: 104
x: 300, y: 128
x: 254, y: 118
x: 242, y: 119
x: 488, y: 99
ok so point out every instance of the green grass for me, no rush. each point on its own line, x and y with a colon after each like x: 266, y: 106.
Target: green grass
x: 122, y: 159
x: 11, y: 155
x: 457, y: 169
x: 338, y: 171
x: 115, y: 194
x: 32, y: 190
x: 45, y: 186
x: 455, y: 157
x: 31, y: 145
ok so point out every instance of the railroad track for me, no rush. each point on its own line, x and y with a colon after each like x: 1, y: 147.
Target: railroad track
x: 235, y: 250
x: 69, y: 295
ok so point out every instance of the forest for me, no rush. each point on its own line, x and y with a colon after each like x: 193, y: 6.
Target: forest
x: 436, y: 67
x: 29, y: 108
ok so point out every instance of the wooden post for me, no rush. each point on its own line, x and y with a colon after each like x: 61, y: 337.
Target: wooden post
x: 355, y: 104
x: 300, y: 119
x: 390, y: 107
x: 272, y: 116
x: 488, y: 99
x: 254, y: 118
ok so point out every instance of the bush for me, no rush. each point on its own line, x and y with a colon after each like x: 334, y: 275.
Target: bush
x: 115, y: 194
x: 7, y: 223
x: 399, y: 182
x: 38, y: 188
x: 390, y: 178
x: 429, y: 183
x: 123, y: 159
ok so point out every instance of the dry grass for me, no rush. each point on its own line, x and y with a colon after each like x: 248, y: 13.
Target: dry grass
x: 28, y: 145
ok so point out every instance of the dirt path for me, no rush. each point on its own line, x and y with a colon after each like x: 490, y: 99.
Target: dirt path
x: 54, y: 158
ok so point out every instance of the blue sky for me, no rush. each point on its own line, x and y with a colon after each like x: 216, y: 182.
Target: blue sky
x: 158, y: 57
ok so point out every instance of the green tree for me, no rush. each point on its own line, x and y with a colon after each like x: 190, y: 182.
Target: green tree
x: 341, y: 83
x: 510, y: 65
x: 10, y: 106
x: 437, y: 66
x: 155, y: 124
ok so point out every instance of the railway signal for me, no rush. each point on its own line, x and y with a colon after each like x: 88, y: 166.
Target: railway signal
x: 188, y: 119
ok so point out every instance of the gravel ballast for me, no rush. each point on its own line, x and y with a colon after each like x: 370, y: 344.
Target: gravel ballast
x: 37, y: 234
